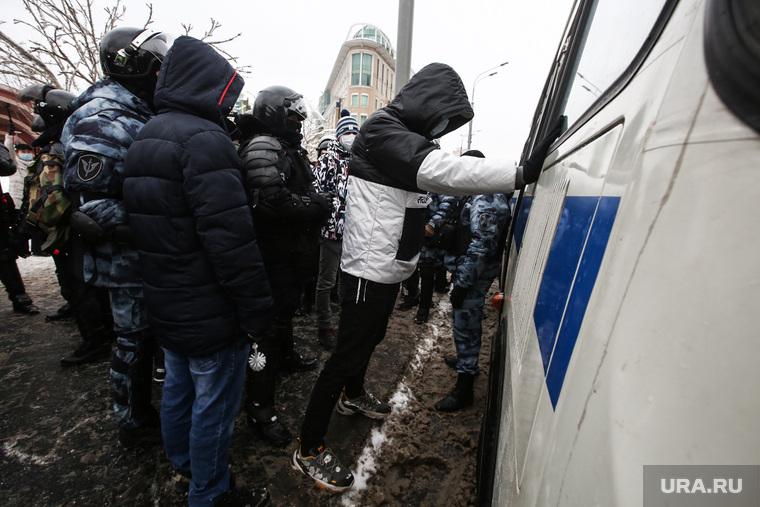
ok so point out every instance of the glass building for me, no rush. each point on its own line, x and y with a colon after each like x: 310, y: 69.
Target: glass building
x: 362, y: 77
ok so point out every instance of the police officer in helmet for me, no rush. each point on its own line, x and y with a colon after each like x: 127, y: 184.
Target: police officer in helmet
x: 96, y: 137
x: 288, y: 212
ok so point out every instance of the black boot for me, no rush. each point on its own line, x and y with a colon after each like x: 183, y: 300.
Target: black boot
x: 328, y: 338
x: 265, y: 421
x: 96, y: 331
x: 22, y: 303
x: 422, y: 315
x: 240, y: 497
x: 260, y: 385
x: 461, y: 396
x: 64, y: 312
x: 90, y: 351
x: 408, y: 304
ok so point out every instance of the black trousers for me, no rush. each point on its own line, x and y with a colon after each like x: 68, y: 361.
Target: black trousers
x: 11, y: 278
x: 365, y: 308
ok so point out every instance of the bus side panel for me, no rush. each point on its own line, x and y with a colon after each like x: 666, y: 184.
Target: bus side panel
x: 564, y: 429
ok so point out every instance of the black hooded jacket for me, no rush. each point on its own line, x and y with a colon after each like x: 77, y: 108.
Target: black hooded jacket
x: 204, y: 280
x: 394, y: 164
x: 396, y: 139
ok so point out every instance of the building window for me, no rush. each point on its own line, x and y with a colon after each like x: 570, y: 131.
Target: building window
x: 365, y: 100
x: 362, y: 119
x: 361, y: 69
x: 354, y: 99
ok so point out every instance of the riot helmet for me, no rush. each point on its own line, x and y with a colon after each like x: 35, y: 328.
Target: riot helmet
x: 323, y: 144
x: 52, y: 105
x: 281, y: 111
x: 133, y: 53
x: 132, y: 57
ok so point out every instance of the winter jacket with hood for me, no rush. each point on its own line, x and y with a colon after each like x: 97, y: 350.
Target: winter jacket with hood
x: 395, y: 163
x: 204, y: 281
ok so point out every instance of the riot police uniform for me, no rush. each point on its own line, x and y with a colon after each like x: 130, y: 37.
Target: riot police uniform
x: 96, y: 137
x: 288, y: 213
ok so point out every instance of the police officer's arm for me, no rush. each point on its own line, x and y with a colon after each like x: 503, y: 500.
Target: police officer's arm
x: 263, y: 173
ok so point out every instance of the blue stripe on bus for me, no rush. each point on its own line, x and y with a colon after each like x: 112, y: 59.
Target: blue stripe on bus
x: 522, y: 219
x: 569, y: 277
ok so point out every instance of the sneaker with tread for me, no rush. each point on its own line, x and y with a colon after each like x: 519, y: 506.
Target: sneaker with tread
x: 324, y: 467
x: 367, y: 405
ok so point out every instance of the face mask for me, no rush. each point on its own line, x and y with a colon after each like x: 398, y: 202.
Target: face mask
x: 439, y: 128
x: 347, y: 141
x: 26, y: 157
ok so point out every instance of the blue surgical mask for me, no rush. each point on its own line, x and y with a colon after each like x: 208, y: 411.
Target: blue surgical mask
x: 439, y: 128
x: 26, y: 157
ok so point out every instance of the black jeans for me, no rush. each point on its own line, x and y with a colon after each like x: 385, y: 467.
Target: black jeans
x: 365, y: 308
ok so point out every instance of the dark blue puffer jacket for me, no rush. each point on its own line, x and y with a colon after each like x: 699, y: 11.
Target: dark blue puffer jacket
x: 205, y: 284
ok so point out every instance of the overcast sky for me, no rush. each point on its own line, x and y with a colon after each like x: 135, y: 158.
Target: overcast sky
x: 295, y: 43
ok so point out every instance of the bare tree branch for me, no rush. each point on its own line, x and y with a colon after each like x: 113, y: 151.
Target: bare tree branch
x: 64, y: 48
x: 20, y: 63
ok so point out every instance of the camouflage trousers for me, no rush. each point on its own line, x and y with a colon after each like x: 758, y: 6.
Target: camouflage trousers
x: 132, y: 362
x: 467, y: 325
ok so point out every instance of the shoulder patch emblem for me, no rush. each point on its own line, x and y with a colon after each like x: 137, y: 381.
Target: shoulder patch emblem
x: 89, y: 166
x: 486, y: 221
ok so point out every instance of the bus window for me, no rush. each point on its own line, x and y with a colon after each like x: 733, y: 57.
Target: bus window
x: 615, y: 33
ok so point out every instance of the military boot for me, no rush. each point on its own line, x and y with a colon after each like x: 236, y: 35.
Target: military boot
x: 264, y: 420
x: 90, y: 351
x: 22, y: 303
x: 260, y: 386
x: 460, y: 397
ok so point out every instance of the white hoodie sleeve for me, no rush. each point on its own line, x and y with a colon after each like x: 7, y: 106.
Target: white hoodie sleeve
x: 448, y: 174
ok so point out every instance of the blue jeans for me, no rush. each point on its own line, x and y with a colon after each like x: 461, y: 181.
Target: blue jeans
x: 201, y: 399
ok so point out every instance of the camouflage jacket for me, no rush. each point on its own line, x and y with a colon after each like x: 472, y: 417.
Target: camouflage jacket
x: 46, y: 205
x: 438, y: 207
x: 96, y: 138
x: 485, y: 216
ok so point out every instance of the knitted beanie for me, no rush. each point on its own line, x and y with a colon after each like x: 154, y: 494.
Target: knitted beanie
x: 346, y: 124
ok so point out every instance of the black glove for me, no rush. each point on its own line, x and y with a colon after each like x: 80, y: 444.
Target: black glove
x: 457, y: 296
x: 531, y: 169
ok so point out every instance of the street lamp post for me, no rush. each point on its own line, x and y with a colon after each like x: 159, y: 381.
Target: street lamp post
x: 479, y: 78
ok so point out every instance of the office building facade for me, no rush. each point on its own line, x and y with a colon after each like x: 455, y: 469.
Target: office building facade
x: 362, y: 78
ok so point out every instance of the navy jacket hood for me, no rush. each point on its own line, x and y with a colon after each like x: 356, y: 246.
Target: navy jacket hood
x: 195, y: 79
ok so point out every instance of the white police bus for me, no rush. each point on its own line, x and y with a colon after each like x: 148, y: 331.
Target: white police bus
x: 630, y: 329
